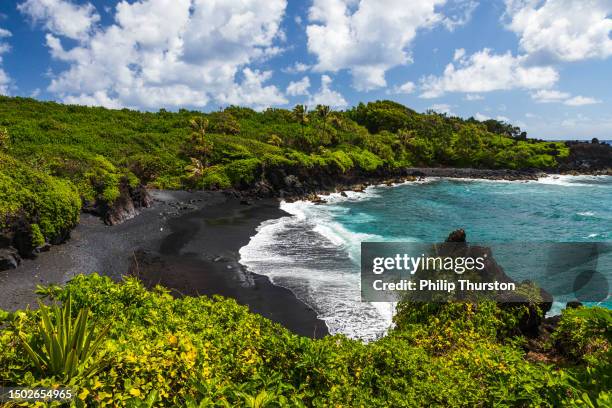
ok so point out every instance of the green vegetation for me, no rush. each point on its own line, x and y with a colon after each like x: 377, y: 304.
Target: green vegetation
x: 61, y: 346
x: 94, y: 151
x: 50, y: 204
x: 161, y: 351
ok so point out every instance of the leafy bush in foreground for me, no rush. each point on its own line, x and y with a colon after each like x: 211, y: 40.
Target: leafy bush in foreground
x: 63, y: 347
x: 187, y: 351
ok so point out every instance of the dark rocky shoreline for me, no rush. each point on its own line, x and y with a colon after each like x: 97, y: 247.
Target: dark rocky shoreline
x: 137, y: 242
x: 186, y: 241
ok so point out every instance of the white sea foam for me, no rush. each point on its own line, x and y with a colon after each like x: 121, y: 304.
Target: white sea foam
x: 317, y: 259
x: 571, y: 181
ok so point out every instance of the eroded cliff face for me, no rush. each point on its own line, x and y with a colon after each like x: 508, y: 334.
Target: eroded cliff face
x: 127, y: 206
x: 588, y: 157
x: 18, y: 240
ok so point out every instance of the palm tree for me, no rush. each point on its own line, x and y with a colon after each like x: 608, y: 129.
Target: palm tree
x: 195, y: 169
x: 300, y: 114
x: 323, y: 112
x: 198, y: 127
x: 202, y: 145
x: 275, y: 140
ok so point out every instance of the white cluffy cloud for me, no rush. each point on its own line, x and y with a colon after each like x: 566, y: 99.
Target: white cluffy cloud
x: 554, y: 96
x: 369, y: 37
x: 4, y: 48
x: 442, y: 108
x: 565, y: 30
x: 296, y: 68
x: 300, y: 87
x: 163, y: 53
x: 62, y: 17
x: 484, y: 71
x: 405, y: 88
x: 327, y: 96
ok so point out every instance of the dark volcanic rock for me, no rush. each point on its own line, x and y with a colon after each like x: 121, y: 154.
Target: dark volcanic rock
x: 127, y: 205
x: 456, y: 236
x: 528, y: 301
x: 9, y: 259
x: 574, y: 304
x: 587, y: 157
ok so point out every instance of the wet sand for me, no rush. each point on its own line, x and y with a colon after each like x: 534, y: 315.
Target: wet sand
x: 188, y: 242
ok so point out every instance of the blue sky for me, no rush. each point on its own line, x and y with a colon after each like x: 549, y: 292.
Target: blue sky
x: 545, y: 65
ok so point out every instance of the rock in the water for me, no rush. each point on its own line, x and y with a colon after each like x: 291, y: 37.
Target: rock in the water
x: 456, y: 236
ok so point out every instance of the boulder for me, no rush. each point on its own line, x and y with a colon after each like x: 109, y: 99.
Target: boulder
x: 9, y: 258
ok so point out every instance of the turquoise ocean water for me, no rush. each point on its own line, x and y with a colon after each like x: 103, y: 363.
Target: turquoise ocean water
x: 315, y: 250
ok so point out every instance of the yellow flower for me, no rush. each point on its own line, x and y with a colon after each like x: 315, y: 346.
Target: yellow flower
x: 83, y: 394
x: 135, y: 392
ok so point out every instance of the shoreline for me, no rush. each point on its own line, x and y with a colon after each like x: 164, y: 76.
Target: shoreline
x: 186, y: 241
x: 185, y: 233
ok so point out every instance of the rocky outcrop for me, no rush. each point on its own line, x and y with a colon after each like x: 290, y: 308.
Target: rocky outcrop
x: 16, y: 238
x: 294, y: 183
x: 9, y: 258
x: 528, y: 301
x: 127, y: 206
x: 594, y: 157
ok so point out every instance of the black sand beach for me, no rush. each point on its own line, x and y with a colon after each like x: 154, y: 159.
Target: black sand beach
x: 188, y: 242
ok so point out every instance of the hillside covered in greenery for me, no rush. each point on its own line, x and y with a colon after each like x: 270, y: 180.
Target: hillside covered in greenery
x: 147, y: 349
x: 55, y: 159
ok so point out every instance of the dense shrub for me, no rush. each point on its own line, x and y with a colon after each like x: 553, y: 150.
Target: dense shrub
x: 50, y: 203
x: 215, y: 352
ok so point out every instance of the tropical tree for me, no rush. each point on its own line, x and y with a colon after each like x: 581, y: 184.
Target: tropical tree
x: 300, y: 114
x: 323, y: 112
x: 198, y: 127
x: 275, y: 140
x: 202, y: 145
x: 195, y: 169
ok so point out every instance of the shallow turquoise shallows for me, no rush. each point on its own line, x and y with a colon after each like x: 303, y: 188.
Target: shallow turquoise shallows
x: 315, y: 251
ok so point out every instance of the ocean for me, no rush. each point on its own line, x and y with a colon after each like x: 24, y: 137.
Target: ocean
x: 315, y: 251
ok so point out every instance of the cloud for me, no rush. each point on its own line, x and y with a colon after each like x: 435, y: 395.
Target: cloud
x: 554, y: 96
x: 296, y: 68
x: 571, y: 127
x: 459, y: 54
x: 486, y: 72
x: 565, y: 30
x: 581, y: 101
x: 549, y: 96
x: 481, y: 117
x: 367, y: 37
x: 5, y: 80
x: 168, y: 53
x: 405, y: 88
x: 459, y: 13
x: 252, y: 92
x: 473, y: 97
x: 442, y: 108
x: 300, y: 87
x: 327, y: 96
x: 62, y: 17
